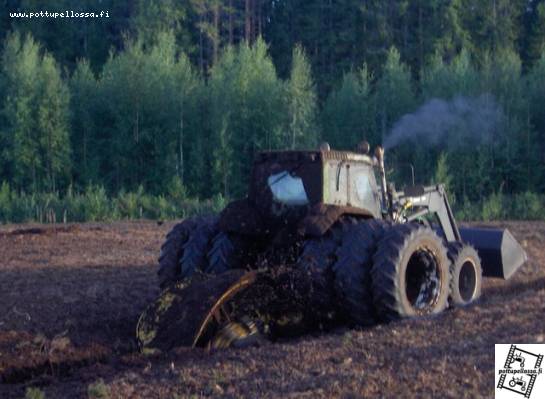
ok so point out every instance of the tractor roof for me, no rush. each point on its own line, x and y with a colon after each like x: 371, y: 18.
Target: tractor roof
x: 312, y: 155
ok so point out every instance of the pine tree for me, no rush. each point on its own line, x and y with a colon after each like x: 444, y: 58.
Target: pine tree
x: 53, y: 124
x: 70, y: 39
x: 36, y: 116
x: 20, y: 61
x: 493, y: 24
x: 446, y: 80
x: 348, y: 114
x: 533, y: 38
x: 394, y: 93
x: 301, y: 103
x: 148, y: 112
x: 246, y: 113
x: 536, y: 114
x: 84, y: 89
x: 443, y: 176
x: 152, y: 18
x: 186, y: 86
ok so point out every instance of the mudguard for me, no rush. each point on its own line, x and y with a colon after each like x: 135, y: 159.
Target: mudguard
x: 283, y: 301
x: 183, y: 313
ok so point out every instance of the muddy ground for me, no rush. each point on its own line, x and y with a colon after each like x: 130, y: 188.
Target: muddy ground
x: 70, y: 297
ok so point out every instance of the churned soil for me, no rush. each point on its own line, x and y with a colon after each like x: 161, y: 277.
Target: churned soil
x: 70, y: 297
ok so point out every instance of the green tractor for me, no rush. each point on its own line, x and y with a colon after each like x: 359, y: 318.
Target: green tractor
x: 320, y: 240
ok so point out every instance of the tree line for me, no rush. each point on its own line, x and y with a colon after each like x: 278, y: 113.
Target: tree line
x: 182, y: 101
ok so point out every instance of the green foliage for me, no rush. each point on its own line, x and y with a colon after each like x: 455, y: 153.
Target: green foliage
x: 98, y: 390
x: 93, y: 204
x: 98, y: 125
x: 301, y: 104
x: 176, y: 190
x: 34, y: 393
x: 97, y: 206
x: 155, y: 17
x: 393, y: 91
x: 528, y: 206
x: 492, y: 25
x: 494, y: 208
x: 443, y: 176
x: 348, y: 114
x: 246, y: 114
x: 83, y: 103
x: 533, y: 38
x: 146, y: 117
x: 523, y: 206
x: 35, y: 107
x: 5, y: 202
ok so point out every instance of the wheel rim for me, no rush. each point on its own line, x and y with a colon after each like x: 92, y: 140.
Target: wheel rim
x: 423, y: 280
x: 467, y: 280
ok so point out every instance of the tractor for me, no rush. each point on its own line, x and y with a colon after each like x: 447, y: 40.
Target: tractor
x: 321, y: 239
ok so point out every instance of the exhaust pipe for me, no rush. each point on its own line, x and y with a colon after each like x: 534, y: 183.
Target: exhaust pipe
x: 501, y: 255
x: 379, y: 154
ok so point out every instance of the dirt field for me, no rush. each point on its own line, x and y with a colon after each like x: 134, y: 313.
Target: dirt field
x: 70, y: 297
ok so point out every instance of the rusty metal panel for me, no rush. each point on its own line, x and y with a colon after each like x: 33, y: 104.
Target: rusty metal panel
x: 322, y: 216
x: 241, y: 217
x: 294, y: 155
x: 346, y: 156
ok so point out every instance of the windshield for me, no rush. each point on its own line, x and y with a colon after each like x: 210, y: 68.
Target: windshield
x: 287, y: 189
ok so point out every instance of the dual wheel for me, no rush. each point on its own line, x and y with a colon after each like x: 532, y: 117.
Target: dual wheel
x: 192, y: 246
x: 365, y: 270
x: 387, y: 272
x: 414, y: 274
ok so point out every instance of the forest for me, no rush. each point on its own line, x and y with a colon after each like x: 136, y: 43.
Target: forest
x: 158, y: 109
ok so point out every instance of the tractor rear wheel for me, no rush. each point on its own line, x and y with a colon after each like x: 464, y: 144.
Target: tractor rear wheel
x: 196, y: 244
x: 171, y: 251
x: 317, y: 257
x: 352, y: 271
x: 319, y: 253
x: 221, y: 256
x: 465, y: 274
x: 410, y: 273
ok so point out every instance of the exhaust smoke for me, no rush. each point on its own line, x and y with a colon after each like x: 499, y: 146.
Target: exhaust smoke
x: 459, y: 122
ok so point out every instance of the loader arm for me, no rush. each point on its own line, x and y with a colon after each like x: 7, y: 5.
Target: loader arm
x: 417, y: 201
x: 501, y: 255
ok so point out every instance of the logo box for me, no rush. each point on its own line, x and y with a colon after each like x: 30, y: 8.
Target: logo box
x: 518, y: 371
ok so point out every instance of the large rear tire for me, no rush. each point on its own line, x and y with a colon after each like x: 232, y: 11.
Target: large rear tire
x: 465, y: 274
x: 410, y: 274
x: 352, y: 271
x: 195, y: 250
x: 318, y: 255
x: 195, y: 245
x: 171, y: 251
x: 221, y: 256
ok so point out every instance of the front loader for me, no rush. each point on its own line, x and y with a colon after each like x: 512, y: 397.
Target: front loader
x: 320, y: 240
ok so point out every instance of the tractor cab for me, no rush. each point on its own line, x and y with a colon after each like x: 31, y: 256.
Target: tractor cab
x: 307, y: 189
x: 286, y: 180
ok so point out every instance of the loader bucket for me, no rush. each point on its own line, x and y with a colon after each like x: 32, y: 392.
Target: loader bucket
x: 501, y: 255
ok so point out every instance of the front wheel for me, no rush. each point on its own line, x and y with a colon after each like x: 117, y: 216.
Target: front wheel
x: 465, y: 274
x: 410, y: 274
